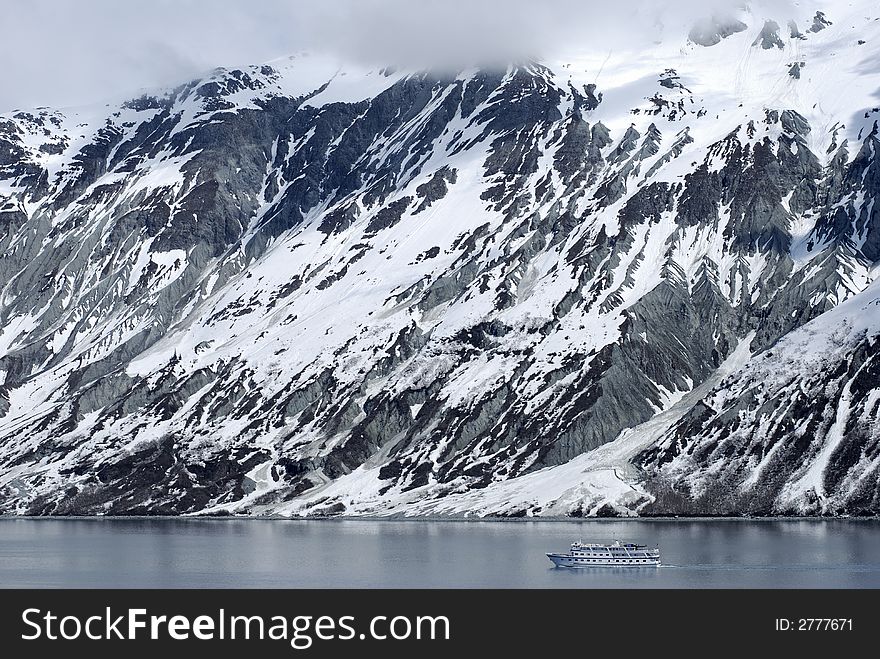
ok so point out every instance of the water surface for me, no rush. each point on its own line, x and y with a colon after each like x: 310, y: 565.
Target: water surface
x: 255, y: 553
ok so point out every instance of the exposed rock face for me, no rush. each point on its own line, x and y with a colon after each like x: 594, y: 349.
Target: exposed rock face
x: 819, y: 22
x: 293, y: 289
x: 769, y: 36
x: 796, y: 432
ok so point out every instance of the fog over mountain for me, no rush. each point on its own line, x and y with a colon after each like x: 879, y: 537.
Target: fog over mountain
x: 91, y: 50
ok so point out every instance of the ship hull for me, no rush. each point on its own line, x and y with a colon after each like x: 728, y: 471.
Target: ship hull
x: 565, y: 560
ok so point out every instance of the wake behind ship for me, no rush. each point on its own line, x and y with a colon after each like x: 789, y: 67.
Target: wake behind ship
x: 602, y: 555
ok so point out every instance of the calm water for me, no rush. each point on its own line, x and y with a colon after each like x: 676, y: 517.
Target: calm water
x: 357, y: 553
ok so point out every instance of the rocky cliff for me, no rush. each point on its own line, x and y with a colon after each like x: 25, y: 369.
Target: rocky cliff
x: 624, y: 285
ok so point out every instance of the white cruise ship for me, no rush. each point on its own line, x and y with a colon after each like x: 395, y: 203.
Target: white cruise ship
x: 602, y: 555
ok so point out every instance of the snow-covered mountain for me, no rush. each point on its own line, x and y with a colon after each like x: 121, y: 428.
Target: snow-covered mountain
x: 632, y: 282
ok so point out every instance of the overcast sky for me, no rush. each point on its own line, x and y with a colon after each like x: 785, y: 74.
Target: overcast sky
x: 69, y: 52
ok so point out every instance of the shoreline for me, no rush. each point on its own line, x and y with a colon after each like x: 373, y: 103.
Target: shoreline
x: 461, y: 519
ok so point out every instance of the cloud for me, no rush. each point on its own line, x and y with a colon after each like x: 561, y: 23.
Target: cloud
x: 61, y: 52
